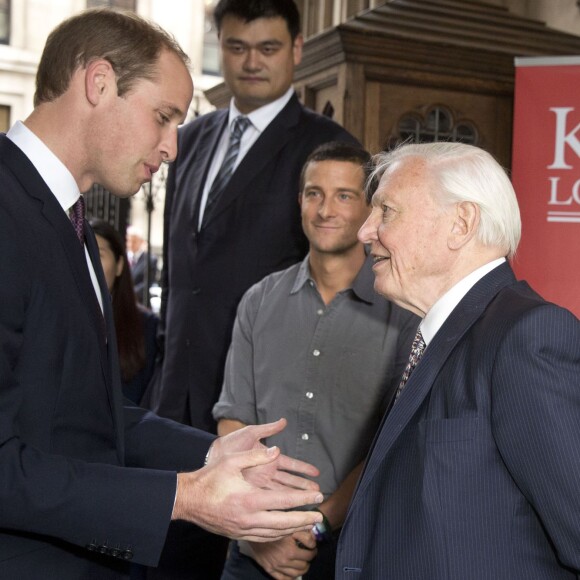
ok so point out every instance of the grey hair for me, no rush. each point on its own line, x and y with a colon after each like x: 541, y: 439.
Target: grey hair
x: 466, y: 173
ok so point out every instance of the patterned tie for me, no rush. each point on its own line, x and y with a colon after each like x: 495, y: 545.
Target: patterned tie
x: 77, y: 217
x: 417, y: 350
x: 239, y: 125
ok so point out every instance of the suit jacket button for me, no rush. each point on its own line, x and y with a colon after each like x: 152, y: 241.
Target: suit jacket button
x: 115, y: 552
x: 196, y: 291
x: 91, y: 547
x: 103, y: 549
x: 127, y: 555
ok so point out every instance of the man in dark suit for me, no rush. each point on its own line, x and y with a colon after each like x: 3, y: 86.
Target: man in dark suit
x: 88, y: 485
x: 218, y: 244
x: 216, y: 247
x: 475, y: 471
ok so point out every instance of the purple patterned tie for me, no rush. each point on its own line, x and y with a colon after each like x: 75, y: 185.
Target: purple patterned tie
x: 417, y: 350
x: 77, y: 217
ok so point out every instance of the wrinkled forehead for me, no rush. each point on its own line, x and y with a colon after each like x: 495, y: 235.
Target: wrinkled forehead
x: 402, y: 178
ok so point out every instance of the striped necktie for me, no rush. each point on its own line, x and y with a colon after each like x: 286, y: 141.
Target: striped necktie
x: 224, y: 174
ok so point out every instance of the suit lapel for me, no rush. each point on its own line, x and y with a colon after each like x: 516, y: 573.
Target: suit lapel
x: 112, y: 370
x: 207, y: 144
x: 266, y: 147
x: 465, y: 314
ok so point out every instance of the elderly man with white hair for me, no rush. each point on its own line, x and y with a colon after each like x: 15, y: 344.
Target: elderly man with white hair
x: 475, y: 471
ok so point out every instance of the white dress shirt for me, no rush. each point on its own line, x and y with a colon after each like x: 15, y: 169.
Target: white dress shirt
x: 260, y: 119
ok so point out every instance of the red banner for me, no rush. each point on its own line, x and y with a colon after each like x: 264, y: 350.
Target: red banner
x: 546, y: 176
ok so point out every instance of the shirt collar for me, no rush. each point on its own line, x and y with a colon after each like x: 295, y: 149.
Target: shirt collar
x: 362, y: 287
x: 262, y: 116
x: 441, y: 310
x: 52, y: 170
x: 364, y: 284
x: 302, y: 276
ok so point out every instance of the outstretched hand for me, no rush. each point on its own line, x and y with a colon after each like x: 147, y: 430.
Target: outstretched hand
x: 244, y: 493
x: 274, y: 475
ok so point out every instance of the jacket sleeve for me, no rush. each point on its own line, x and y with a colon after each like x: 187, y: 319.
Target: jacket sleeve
x: 536, y: 419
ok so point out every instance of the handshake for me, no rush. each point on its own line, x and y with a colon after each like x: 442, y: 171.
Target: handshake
x: 245, y: 490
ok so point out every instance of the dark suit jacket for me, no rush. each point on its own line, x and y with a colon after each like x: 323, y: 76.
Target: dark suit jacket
x: 138, y: 273
x: 254, y: 229
x: 475, y: 473
x: 65, y: 437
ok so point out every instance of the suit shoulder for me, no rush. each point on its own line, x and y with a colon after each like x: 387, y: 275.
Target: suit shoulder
x: 518, y: 306
x: 195, y: 126
x: 322, y: 128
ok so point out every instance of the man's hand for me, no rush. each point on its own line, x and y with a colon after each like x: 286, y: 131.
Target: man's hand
x: 287, y: 558
x: 273, y: 475
x: 242, y: 492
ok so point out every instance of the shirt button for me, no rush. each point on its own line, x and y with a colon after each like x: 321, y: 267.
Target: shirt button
x: 311, y: 282
x: 305, y: 437
x: 320, y: 312
x: 316, y: 352
x: 309, y: 395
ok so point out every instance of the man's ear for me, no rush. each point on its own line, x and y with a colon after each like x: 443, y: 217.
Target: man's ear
x: 100, y: 80
x: 465, y: 224
x: 297, y: 49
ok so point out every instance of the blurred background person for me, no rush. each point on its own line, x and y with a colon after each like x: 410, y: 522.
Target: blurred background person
x: 138, y: 259
x: 136, y: 326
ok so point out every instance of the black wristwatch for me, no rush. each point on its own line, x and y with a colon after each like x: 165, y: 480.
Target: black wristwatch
x: 322, y: 530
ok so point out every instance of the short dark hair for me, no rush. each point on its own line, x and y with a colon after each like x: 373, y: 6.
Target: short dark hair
x: 339, y: 151
x: 130, y: 43
x: 248, y: 10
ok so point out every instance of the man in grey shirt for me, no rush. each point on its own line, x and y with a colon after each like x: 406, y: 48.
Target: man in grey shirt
x: 315, y: 344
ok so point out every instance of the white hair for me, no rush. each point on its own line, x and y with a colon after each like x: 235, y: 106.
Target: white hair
x: 135, y: 231
x: 467, y: 173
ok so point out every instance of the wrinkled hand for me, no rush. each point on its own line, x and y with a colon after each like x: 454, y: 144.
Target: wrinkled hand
x: 284, y: 559
x: 273, y: 475
x: 222, y: 499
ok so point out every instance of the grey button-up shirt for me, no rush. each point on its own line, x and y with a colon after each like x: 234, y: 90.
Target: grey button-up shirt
x: 329, y: 370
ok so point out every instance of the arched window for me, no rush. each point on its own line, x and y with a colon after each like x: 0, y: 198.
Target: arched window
x: 436, y: 124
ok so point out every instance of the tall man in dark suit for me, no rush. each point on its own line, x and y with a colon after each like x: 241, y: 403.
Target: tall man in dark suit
x: 217, y: 245
x: 475, y: 472
x: 231, y: 218
x: 86, y: 484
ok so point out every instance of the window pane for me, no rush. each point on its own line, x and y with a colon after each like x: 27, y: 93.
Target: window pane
x: 211, y: 58
x: 4, y: 21
x: 437, y: 125
x: 122, y: 4
x: 465, y: 133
